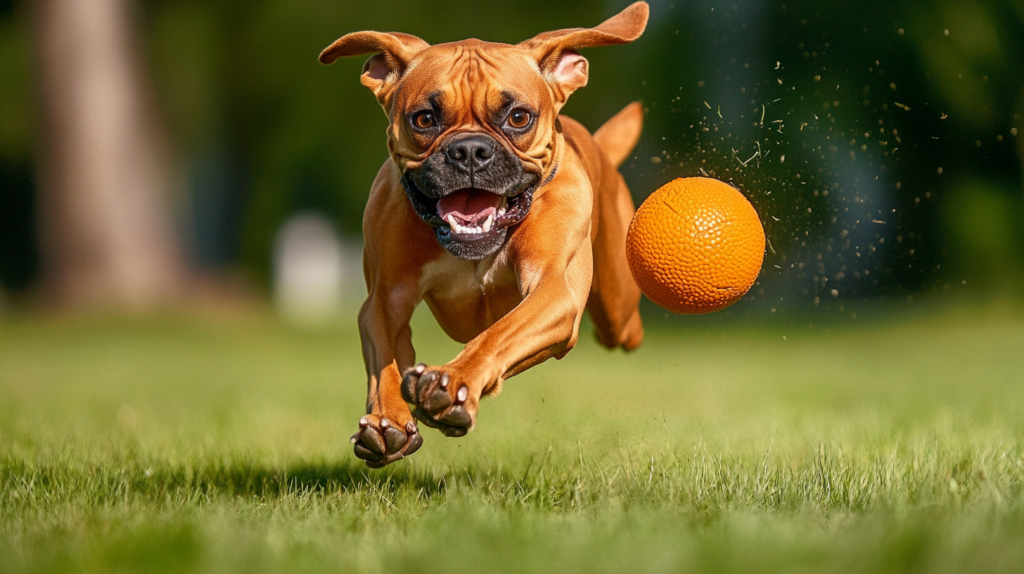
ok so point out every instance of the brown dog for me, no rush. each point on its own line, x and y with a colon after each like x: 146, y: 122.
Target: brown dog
x: 506, y: 218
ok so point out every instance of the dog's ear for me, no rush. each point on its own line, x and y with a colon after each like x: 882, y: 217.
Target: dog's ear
x: 556, y: 52
x: 380, y: 72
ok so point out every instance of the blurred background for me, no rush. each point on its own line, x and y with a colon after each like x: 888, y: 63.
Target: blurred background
x: 163, y: 154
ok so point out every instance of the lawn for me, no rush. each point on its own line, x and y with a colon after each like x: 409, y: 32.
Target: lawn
x: 187, y: 445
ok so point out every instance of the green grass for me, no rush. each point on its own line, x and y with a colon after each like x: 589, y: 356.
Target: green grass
x: 222, y: 446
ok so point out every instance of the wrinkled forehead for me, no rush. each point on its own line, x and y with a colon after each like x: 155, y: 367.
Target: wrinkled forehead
x: 472, y: 76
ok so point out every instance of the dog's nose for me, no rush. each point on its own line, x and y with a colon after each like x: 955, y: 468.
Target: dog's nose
x: 472, y: 153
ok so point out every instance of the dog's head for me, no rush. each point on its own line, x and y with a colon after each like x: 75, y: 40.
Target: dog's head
x: 473, y: 125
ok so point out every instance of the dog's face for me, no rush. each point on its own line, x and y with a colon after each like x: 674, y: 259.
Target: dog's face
x: 473, y: 125
x: 473, y: 132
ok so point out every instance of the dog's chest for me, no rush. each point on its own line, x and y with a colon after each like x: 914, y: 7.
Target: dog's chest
x: 452, y: 279
x: 467, y: 297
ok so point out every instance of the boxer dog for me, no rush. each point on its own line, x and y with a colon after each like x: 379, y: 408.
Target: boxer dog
x: 505, y: 217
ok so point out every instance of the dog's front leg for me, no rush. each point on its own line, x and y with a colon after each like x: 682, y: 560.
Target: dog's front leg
x: 544, y: 325
x: 388, y: 432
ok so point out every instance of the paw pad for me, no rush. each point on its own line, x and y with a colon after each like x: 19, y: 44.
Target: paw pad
x: 429, y: 391
x: 383, y: 443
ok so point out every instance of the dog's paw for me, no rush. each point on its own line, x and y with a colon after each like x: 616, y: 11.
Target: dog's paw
x: 441, y: 401
x: 379, y: 442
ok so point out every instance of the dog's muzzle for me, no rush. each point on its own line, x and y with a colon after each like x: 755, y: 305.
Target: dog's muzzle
x: 471, y: 191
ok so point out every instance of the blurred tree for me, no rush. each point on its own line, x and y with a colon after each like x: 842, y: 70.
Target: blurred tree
x: 104, y: 182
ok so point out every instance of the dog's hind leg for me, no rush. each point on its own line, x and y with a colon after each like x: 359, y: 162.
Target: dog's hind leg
x: 614, y: 297
x: 614, y: 302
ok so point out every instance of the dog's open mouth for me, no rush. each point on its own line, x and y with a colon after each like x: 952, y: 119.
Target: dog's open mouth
x: 473, y: 213
x: 469, y: 214
x: 471, y: 222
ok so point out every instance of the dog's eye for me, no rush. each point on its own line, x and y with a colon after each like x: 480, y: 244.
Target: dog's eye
x: 424, y: 120
x: 519, y: 118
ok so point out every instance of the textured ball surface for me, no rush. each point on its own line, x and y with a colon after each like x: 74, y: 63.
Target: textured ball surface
x: 695, y: 245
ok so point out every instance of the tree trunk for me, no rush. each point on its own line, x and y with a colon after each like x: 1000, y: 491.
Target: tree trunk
x: 108, y: 237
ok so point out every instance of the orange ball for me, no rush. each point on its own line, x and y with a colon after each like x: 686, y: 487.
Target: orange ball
x: 695, y: 245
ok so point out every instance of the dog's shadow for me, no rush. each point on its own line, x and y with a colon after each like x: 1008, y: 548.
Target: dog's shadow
x: 263, y: 481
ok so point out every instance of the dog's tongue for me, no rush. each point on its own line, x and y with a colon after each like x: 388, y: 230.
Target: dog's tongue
x: 469, y: 205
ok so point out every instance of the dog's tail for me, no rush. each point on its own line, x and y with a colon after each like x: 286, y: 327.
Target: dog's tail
x: 618, y: 136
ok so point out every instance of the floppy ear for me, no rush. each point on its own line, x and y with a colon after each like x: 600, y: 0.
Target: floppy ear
x: 381, y: 72
x: 563, y: 67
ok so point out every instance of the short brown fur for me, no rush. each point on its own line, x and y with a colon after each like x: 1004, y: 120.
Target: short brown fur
x: 523, y: 304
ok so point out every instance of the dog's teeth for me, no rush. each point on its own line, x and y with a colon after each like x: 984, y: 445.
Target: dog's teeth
x: 470, y: 228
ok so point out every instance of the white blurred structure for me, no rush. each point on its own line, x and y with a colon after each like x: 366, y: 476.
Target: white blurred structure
x: 316, y: 275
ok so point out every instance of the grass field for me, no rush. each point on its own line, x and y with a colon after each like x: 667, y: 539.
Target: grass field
x: 180, y: 445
